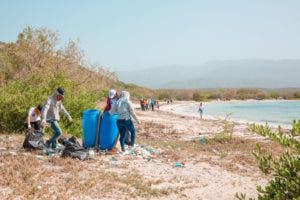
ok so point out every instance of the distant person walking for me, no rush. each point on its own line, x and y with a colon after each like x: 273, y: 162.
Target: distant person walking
x: 50, y: 114
x: 124, y: 108
x: 200, y: 110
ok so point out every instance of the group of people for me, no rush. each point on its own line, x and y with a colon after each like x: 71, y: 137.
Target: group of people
x: 146, y: 104
x: 48, y: 113
x: 39, y: 116
x: 123, y: 106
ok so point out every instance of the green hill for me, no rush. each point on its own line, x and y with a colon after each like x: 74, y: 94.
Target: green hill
x: 33, y: 66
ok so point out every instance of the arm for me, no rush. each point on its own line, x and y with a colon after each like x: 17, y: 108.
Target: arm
x: 29, y: 117
x: 45, y: 110
x: 113, y: 109
x: 65, y: 112
x: 132, y: 113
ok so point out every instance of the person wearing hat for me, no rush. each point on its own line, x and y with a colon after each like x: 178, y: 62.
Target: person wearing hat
x: 50, y: 114
x: 34, y: 118
x: 111, y: 99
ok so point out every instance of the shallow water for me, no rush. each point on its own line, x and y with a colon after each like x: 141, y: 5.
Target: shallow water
x: 273, y: 112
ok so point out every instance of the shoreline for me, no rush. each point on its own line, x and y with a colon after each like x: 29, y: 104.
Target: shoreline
x: 177, y: 108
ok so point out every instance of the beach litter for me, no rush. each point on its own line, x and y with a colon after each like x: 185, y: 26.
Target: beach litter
x: 114, y: 159
x: 202, y: 141
x: 144, y: 152
x: 179, y: 164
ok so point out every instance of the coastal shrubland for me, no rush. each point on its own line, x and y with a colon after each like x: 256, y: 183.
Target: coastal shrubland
x: 36, y: 64
x: 228, y: 94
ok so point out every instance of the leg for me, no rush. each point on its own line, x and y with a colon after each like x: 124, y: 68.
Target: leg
x: 56, y: 133
x: 122, y: 130
x: 131, y: 128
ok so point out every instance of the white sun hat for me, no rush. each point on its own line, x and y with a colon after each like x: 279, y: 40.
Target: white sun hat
x: 112, y: 93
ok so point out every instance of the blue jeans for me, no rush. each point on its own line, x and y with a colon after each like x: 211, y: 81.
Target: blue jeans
x: 123, y: 126
x: 56, y: 133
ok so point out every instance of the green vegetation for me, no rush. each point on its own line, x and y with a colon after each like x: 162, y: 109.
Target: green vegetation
x: 34, y: 66
x: 285, y: 168
x: 227, y: 94
x: 228, y: 126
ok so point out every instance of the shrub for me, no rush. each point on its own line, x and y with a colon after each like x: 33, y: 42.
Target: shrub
x: 18, y: 96
x: 285, y: 168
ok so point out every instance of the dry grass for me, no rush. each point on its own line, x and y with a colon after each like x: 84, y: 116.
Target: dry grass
x: 31, y: 176
x: 25, y: 175
x: 227, y: 153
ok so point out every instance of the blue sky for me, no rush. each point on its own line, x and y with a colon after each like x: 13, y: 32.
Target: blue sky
x: 137, y: 33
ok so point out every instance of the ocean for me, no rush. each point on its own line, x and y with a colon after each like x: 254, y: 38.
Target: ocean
x: 273, y: 112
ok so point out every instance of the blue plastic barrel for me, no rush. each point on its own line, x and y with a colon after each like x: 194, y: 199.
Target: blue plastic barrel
x: 89, y: 126
x: 108, y: 131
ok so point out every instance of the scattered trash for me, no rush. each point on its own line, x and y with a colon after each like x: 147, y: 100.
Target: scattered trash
x: 13, y: 153
x: 9, y: 138
x: 39, y: 187
x: 91, y: 154
x: 114, y: 159
x: 39, y: 157
x: 143, y: 151
x: 179, y: 164
x: 202, y: 141
x: 216, y: 151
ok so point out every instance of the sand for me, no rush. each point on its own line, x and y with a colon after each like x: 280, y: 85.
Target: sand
x: 207, y: 171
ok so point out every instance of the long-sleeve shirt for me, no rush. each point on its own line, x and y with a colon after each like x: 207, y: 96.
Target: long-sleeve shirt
x: 124, y: 109
x: 52, y: 108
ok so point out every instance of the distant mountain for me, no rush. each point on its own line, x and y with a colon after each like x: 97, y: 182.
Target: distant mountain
x: 216, y: 74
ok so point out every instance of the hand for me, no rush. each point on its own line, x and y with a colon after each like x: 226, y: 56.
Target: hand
x: 44, y: 123
x: 29, y: 126
x: 70, y: 119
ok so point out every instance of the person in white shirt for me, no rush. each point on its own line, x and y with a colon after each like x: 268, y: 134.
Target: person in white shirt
x: 34, y: 118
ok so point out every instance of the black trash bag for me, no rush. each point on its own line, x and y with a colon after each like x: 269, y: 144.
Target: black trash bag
x: 34, y: 140
x: 128, y: 138
x: 73, y: 148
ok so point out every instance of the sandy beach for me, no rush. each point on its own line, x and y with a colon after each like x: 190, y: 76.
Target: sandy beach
x: 189, y: 162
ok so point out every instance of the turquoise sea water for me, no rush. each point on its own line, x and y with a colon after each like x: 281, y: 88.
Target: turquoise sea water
x: 276, y: 112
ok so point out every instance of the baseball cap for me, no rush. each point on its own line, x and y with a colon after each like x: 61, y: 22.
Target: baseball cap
x: 61, y: 91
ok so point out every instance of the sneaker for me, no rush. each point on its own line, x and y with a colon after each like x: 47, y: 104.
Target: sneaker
x: 47, y: 144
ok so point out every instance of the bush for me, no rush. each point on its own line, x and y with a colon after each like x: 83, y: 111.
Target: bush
x: 197, y: 96
x: 285, y: 168
x: 18, y: 96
